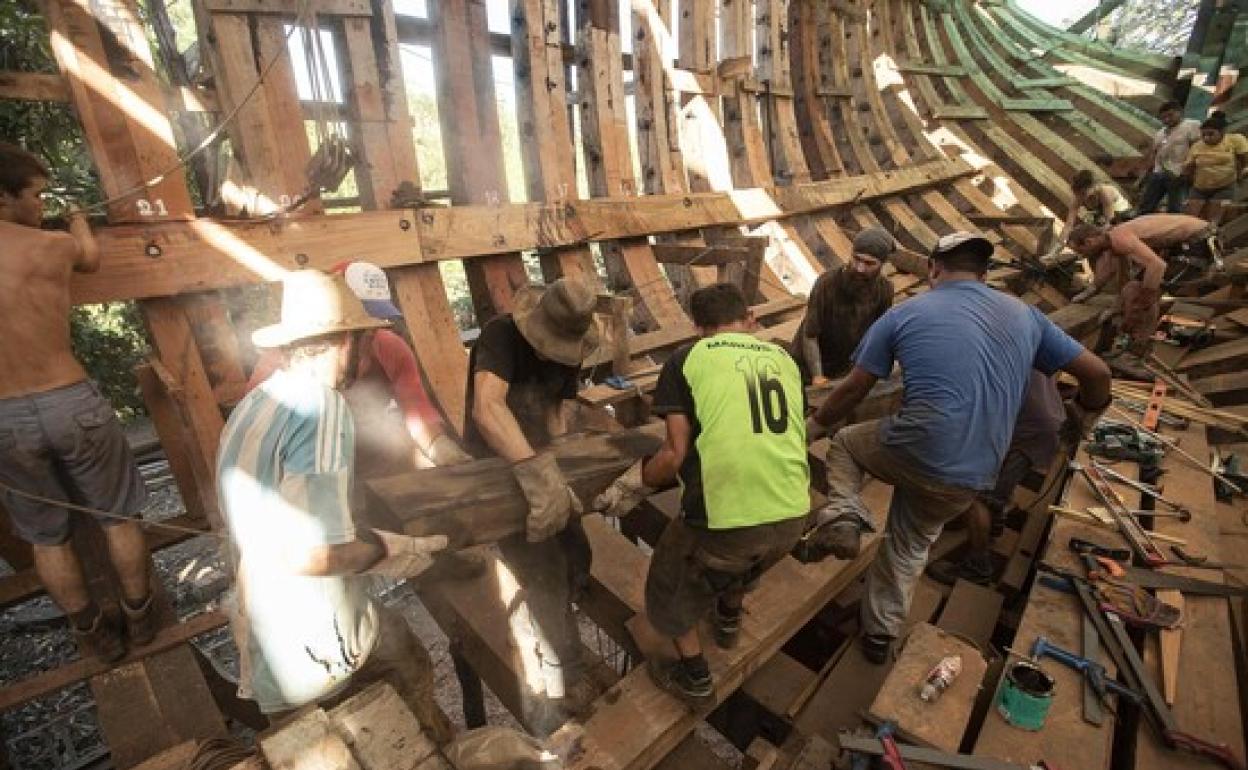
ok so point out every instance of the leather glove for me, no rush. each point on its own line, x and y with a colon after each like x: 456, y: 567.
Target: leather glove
x: 624, y: 494
x: 443, y: 451
x: 551, y: 500
x: 1080, y: 420
x: 405, y: 556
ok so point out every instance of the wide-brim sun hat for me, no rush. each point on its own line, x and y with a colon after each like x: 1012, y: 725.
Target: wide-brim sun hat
x: 315, y: 304
x: 558, y: 320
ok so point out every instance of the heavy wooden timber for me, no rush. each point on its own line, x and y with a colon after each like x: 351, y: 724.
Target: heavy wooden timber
x: 663, y: 145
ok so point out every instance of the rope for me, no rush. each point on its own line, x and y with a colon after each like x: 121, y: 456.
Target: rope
x: 104, y: 514
x: 214, y: 134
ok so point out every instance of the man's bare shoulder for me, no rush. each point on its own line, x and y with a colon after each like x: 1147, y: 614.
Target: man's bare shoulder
x: 28, y: 244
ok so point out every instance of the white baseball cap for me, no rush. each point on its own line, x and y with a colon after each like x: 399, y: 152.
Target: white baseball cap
x: 973, y: 242
x: 370, y: 284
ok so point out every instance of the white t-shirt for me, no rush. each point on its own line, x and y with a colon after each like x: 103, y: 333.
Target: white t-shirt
x: 1171, y: 146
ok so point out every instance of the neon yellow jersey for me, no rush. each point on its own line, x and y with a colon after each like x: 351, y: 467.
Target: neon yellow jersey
x: 747, y: 465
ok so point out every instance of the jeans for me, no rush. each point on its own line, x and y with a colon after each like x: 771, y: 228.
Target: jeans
x: 1162, y: 184
x: 919, y: 509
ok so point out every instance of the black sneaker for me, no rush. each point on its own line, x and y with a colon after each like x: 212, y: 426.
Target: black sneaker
x: 970, y: 569
x: 727, y: 627
x: 696, y: 689
x: 877, y: 648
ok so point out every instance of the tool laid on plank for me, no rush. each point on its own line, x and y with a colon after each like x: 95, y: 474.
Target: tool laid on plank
x: 1094, y: 673
x: 1136, y: 536
x: 1144, y: 489
x: 1147, y: 578
x: 1197, y: 562
x: 1126, y: 658
x: 1122, y: 441
x: 873, y: 747
x: 889, y: 752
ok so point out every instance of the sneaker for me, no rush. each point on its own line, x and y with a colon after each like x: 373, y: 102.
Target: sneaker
x: 102, y: 639
x: 877, y: 648
x: 727, y: 627
x: 696, y: 689
x: 970, y: 568
x: 140, y: 622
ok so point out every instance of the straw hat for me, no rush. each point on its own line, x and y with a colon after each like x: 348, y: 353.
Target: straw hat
x: 558, y: 321
x: 315, y: 304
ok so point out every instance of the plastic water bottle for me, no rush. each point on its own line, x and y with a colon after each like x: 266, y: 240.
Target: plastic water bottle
x: 940, y: 677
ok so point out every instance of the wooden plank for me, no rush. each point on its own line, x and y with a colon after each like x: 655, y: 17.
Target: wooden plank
x: 380, y: 729
x: 34, y: 86
x: 1171, y: 643
x: 940, y: 724
x: 923, y: 68
x: 162, y: 259
x: 1229, y: 389
x: 971, y: 612
x: 307, y: 742
x: 167, y: 638
x: 471, y: 141
x: 1036, y: 105
x: 154, y: 704
x: 1207, y: 699
x: 293, y: 7
x: 853, y: 682
x: 787, y: 597
x: 1215, y: 359
x: 778, y: 684
x: 480, y: 502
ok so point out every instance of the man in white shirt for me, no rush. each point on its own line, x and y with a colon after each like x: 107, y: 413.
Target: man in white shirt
x: 1163, y: 177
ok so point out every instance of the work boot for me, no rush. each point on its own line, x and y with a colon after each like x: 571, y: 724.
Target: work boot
x: 839, y: 528
x: 99, y: 638
x: 727, y: 623
x: 140, y: 622
x: 877, y: 648
x: 688, y: 679
x: 973, y: 568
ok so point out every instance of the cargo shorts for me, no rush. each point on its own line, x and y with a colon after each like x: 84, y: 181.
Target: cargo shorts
x: 693, y: 567
x: 65, y: 444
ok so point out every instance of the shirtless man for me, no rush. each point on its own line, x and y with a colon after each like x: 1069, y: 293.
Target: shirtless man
x: 59, y: 439
x: 1114, y: 251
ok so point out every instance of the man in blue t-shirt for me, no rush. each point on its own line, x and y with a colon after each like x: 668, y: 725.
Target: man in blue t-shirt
x: 966, y: 352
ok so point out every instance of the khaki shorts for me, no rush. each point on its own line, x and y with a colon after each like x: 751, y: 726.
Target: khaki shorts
x: 65, y: 444
x: 692, y: 567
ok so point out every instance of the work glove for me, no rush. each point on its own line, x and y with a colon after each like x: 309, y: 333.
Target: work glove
x: 1080, y: 420
x: 551, y: 500
x: 405, y: 556
x: 624, y: 494
x: 443, y: 451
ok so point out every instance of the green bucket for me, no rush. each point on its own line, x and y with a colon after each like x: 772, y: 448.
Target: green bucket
x: 1025, y: 695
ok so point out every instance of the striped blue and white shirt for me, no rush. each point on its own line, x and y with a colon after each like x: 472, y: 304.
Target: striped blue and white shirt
x: 284, y: 480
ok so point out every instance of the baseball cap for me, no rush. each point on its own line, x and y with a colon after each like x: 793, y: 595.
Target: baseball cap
x: 370, y: 284
x: 976, y: 244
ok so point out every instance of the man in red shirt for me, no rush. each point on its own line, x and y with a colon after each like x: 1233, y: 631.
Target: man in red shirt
x: 386, y: 442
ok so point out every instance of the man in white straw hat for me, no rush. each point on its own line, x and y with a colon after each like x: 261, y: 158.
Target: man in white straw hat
x: 522, y: 370
x: 306, y: 629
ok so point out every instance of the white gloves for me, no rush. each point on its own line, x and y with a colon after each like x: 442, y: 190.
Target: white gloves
x: 443, y: 451
x: 624, y: 494
x: 551, y: 501
x: 405, y: 556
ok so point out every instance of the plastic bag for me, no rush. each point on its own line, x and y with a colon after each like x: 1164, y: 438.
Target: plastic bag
x: 499, y: 748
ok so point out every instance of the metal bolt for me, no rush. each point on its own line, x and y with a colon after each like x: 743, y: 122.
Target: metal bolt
x: 301, y: 260
x: 426, y: 217
x: 152, y: 250
x: 405, y: 224
x: 688, y: 203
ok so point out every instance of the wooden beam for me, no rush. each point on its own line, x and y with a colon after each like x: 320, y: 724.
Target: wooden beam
x: 480, y: 502
x: 28, y: 689
x: 293, y: 8
x: 141, y: 261
x: 33, y: 87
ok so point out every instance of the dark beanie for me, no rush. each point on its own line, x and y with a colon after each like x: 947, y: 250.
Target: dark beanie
x: 875, y: 242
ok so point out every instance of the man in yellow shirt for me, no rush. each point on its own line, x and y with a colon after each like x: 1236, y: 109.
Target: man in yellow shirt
x: 1214, y: 163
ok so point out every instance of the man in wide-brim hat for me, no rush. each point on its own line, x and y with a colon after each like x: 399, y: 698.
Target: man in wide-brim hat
x: 523, y: 370
x: 306, y: 629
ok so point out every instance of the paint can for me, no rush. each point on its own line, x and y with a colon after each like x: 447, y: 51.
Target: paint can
x: 1025, y: 696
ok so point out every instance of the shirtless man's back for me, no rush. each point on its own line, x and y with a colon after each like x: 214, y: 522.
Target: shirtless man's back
x: 59, y: 438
